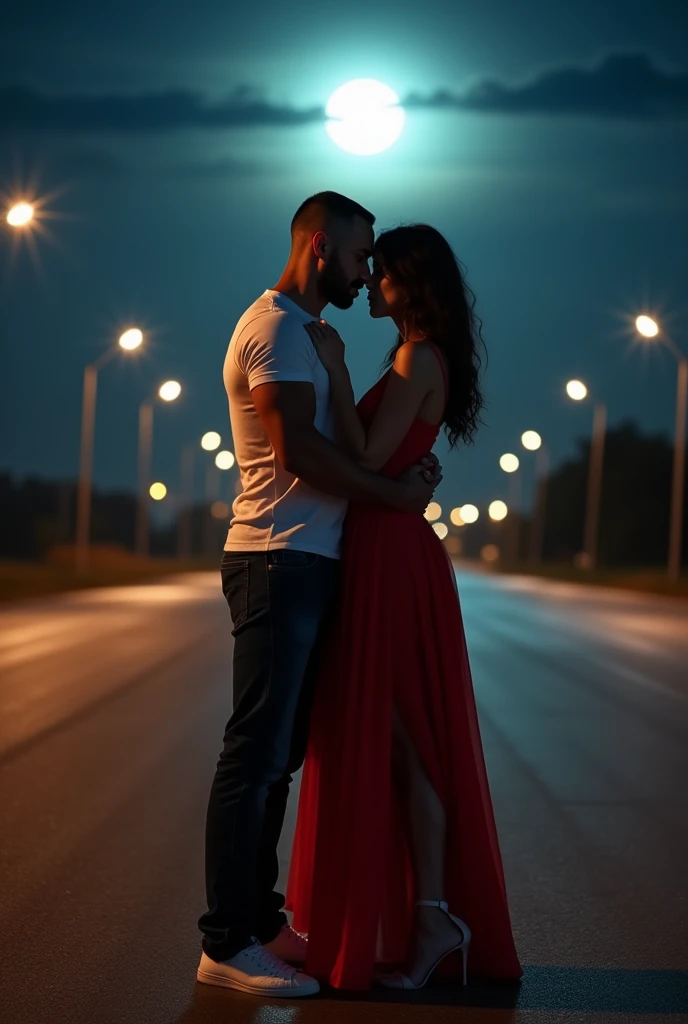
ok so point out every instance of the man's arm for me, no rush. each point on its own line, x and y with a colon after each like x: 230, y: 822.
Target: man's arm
x: 287, y: 411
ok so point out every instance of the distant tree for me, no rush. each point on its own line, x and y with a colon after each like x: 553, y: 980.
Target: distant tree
x: 634, y: 512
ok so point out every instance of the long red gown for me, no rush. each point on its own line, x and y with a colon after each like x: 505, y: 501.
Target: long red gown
x: 398, y: 639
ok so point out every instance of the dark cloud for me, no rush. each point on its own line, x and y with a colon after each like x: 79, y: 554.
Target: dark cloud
x: 25, y: 109
x: 621, y: 85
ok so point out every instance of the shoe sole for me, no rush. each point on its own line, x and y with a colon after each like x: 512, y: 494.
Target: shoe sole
x: 255, y: 990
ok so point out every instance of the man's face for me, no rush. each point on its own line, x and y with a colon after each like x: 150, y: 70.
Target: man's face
x: 346, y: 269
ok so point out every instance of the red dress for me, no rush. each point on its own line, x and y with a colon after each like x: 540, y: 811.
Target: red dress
x: 398, y: 639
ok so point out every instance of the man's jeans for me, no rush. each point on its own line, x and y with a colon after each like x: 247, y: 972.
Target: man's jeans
x: 278, y: 601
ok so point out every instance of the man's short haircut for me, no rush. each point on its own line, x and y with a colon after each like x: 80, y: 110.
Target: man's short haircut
x: 317, y: 209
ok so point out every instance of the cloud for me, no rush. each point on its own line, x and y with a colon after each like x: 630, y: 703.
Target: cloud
x: 622, y: 85
x: 626, y: 85
x: 25, y: 109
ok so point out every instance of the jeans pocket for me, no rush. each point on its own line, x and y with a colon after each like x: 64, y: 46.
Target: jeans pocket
x: 235, y: 588
x: 287, y: 558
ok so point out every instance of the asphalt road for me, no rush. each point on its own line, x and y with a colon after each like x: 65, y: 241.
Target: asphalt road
x: 112, y: 707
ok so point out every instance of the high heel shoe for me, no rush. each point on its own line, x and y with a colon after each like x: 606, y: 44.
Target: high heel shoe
x: 399, y: 980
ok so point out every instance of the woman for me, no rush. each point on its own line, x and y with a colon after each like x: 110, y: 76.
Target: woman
x: 395, y: 834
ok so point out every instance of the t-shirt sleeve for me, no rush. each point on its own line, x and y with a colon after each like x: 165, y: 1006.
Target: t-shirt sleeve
x: 276, y: 351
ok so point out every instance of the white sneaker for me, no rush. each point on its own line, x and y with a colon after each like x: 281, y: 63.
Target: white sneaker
x: 289, y: 945
x: 258, y: 971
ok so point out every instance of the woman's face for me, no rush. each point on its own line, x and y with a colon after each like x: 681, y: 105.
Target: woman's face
x: 385, y: 298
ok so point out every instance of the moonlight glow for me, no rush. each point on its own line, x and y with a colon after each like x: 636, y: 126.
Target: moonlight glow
x: 364, y: 117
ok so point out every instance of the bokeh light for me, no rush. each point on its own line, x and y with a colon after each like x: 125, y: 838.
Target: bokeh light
x: 224, y: 460
x: 131, y: 339
x: 576, y: 390
x: 219, y: 510
x: 489, y: 553
x: 454, y: 545
x: 456, y: 517
x: 497, y: 510
x: 157, y: 491
x: 211, y: 441
x: 531, y: 440
x: 441, y: 529
x: 647, y: 326
x: 509, y: 463
x: 469, y: 513
x: 20, y: 215
x: 170, y: 390
x: 433, y: 511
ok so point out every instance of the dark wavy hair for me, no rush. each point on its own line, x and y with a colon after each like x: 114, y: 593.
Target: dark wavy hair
x: 438, y: 306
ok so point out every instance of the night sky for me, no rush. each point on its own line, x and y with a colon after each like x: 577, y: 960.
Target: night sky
x: 173, y: 143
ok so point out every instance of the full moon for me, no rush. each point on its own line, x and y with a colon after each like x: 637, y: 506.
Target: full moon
x: 364, y: 117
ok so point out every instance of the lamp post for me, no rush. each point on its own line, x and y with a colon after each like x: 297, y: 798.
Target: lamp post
x: 532, y: 442
x: 20, y: 215
x: 168, y: 392
x: 129, y: 341
x: 577, y: 391
x: 649, y: 328
x: 510, y: 463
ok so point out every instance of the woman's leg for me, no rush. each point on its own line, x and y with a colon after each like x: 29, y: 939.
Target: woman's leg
x: 426, y: 822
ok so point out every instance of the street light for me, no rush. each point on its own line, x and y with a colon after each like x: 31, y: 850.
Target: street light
x: 532, y: 442
x: 509, y: 464
x: 497, y: 511
x: 167, y: 392
x: 577, y: 391
x: 433, y: 511
x: 649, y: 328
x: 469, y: 513
x: 128, y: 341
x: 224, y: 460
x: 211, y: 441
x: 20, y: 215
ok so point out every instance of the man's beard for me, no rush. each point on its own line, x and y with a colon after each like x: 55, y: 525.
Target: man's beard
x: 334, y: 287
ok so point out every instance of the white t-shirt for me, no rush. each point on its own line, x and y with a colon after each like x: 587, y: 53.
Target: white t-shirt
x: 275, y: 509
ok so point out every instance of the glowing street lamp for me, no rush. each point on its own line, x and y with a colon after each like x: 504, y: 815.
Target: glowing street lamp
x: 211, y: 441
x: 509, y: 464
x: 128, y: 341
x: 456, y: 517
x: 649, y: 329
x: 433, y: 512
x: 441, y: 529
x: 497, y: 511
x: 167, y: 392
x: 224, y: 460
x: 469, y: 513
x: 532, y: 442
x: 577, y: 391
x: 20, y: 215
x: 157, y: 491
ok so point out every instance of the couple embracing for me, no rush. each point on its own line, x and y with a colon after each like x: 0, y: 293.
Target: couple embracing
x: 349, y: 649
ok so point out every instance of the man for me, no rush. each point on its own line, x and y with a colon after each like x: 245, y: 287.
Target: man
x: 279, y: 574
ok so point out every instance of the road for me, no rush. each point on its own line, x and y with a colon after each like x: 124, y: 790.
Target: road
x: 112, y: 707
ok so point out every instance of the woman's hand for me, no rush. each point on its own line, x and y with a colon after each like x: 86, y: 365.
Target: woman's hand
x: 328, y: 345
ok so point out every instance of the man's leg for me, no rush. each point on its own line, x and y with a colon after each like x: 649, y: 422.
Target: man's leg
x: 271, y: 916
x: 277, y: 601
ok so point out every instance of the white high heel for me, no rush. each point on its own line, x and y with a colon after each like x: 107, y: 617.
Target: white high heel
x: 399, y: 980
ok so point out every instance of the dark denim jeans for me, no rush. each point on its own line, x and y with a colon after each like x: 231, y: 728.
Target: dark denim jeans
x: 278, y: 602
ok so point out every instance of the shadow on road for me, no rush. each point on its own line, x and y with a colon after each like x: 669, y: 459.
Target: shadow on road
x: 554, y: 989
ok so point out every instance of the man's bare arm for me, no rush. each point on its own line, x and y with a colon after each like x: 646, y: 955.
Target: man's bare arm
x: 287, y: 411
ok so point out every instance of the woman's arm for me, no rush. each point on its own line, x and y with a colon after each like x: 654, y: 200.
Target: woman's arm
x: 408, y: 383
